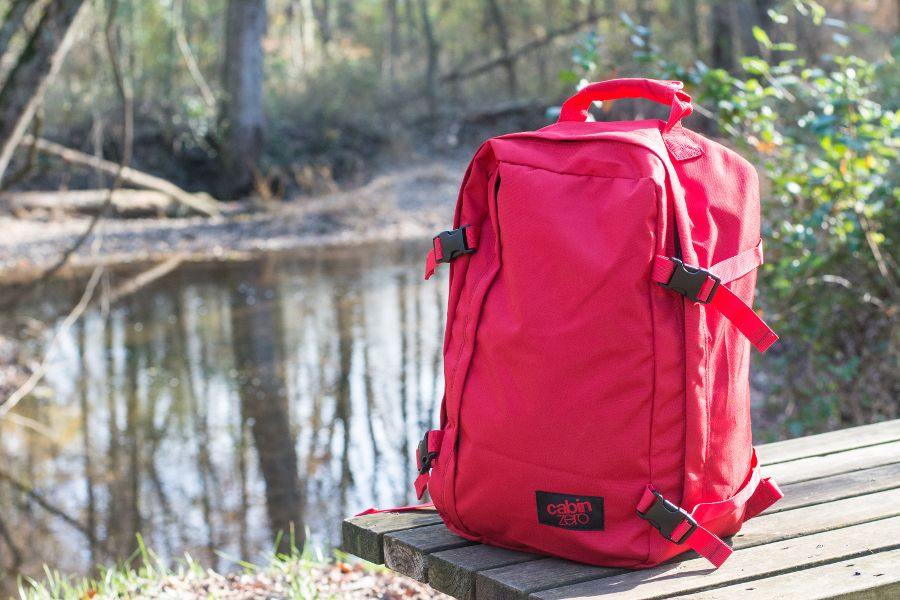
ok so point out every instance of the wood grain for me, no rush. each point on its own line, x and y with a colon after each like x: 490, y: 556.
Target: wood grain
x: 821, y: 517
x: 453, y: 571
x: 864, y: 578
x: 766, y: 560
x: 841, y: 507
x: 518, y: 581
x: 408, y: 552
x: 829, y: 443
x: 814, y: 467
x: 837, y: 487
x: 364, y: 536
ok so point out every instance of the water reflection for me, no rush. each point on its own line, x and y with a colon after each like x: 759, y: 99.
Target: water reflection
x: 222, y: 404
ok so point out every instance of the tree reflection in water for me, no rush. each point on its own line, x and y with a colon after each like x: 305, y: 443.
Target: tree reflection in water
x: 221, y: 405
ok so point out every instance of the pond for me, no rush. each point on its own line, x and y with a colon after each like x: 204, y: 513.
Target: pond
x: 221, y: 403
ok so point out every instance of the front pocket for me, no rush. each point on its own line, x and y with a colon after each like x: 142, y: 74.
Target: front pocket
x: 558, y: 391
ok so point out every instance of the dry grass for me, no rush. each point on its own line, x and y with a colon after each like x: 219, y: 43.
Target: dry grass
x: 298, y: 574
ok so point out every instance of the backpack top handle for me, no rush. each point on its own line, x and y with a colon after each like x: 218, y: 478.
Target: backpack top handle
x: 663, y: 92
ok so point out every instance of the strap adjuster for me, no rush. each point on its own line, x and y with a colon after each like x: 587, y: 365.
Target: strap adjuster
x: 453, y: 243
x: 689, y: 281
x: 667, y: 517
x: 424, y: 457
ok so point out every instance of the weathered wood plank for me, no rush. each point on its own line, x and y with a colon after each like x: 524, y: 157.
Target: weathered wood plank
x: 453, y: 571
x: 863, y: 578
x: 766, y: 560
x: 828, y: 443
x: 516, y: 582
x: 814, y: 467
x: 408, y: 552
x: 364, y: 536
x: 845, y: 479
x: 821, y: 517
x: 838, y: 487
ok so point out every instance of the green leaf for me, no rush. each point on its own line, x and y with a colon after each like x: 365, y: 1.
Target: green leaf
x: 784, y: 47
x: 568, y: 77
x: 755, y: 65
x: 762, y: 37
x: 777, y: 17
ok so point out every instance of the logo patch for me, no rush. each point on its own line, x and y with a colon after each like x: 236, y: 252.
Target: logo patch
x: 570, y: 511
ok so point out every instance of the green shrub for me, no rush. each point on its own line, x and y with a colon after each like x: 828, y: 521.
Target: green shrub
x: 824, y: 135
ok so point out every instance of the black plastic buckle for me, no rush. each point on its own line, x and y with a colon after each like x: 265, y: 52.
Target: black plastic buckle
x: 425, y: 457
x: 688, y: 281
x: 666, y: 517
x: 453, y: 244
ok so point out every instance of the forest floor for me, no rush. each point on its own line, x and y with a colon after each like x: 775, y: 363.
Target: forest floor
x: 408, y: 203
x: 291, y: 577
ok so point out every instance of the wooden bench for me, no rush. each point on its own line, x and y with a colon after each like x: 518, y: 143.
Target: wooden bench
x: 836, y: 533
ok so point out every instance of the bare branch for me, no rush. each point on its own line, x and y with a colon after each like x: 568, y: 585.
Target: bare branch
x: 198, y: 202
x: 38, y: 374
x: 185, y: 48
x: 531, y: 46
x: 37, y: 65
x: 144, y: 278
x: 47, y: 506
x: 12, y: 21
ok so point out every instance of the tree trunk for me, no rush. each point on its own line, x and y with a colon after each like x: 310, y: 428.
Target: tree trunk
x: 722, y: 49
x: 256, y: 330
x: 322, y: 12
x: 431, y: 73
x: 746, y: 21
x: 509, y: 64
x: 346, y: 16
x: 242, y: 113
x: 693, y: 25
x: 12, y: 21
x: 37, y: 65
x: 409, y: 14
x: 644, y: 13
x: 391, y: 39
x: 762, y: 8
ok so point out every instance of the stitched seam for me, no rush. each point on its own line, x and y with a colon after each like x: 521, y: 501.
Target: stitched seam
x: 493, y: 195
x: 707, y: 394
x: 570, y: 173
x: 650, y: 285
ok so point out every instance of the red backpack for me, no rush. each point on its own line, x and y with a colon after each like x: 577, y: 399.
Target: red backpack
x: 598, y: 338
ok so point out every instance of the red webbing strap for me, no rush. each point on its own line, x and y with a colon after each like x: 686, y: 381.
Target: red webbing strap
x: 412, y: 507
x: 744, y: 318
x: 420, y: 484
x: 709, y: 511
x: 755, y: 495
x: 727, y: 270
x: 434, y: 437
x: 430, y: 264
x: 739, y: 265
x: 767, y: 493
x: 703, y: 541
x: 708, y: 545
x: 435, y: 254
x: 724, y: 300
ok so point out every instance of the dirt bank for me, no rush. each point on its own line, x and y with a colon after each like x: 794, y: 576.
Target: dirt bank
x: 414, y: 202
